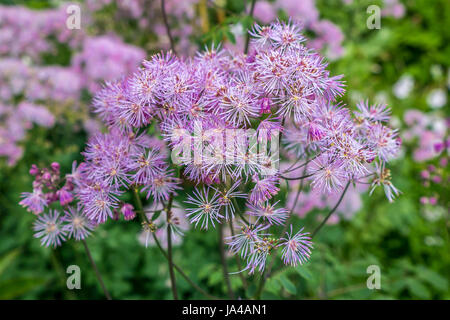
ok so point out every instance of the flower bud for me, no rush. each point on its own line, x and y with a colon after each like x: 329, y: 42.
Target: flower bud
x: 47, y: 176
x: 34, y: 170
x: 65, y: 197
x: 55, y: 166
x: 128, y: 211
x: 264, y: 106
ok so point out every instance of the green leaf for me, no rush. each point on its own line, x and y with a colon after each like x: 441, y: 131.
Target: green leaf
x: 7, y: 259
x: 269, y: 296
x: 247, y: 22
x: 397, y: 286
x: 215, y: 278
x: 251, y: 290
x: 273, y: 285
x: 14, y: 288
x: 205, y: 271
x: 433, y: 278
x: 288, y: 285
x: 418, y: 290
x: 304, y: 272
x: 156, y: 215
x: 230, y: 36
x: 236, y: 283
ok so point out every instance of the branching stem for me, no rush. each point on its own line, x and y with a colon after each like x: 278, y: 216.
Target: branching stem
x: 158, y: 244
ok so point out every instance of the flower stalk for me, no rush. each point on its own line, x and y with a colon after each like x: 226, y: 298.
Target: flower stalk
x: 331, y: 211
x: 158, y: 244
x: 97, y: 272
x: 223, y: 260
x: 169, y: 249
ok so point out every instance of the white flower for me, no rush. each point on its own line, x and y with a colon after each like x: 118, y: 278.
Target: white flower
x: 437, y: 98
x: 402, y: 88
x: 237, y: 30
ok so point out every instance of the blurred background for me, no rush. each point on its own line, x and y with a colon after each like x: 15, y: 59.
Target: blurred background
x: 49, y: 74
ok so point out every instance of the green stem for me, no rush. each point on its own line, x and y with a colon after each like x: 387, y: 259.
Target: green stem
x: 332, y: 211
x: 97, y: 272
x: 61, y: 275
x: 181, y: 272
x: 166, y: 23
x: 239, y: 212
x: 291, y: 168
x: 224, y: 262
x: 299, y: 191
x: 238, y: 260
x: 298, y: 178
x: 247, y: 39
x: 169, y: 249
x: 262, y: 281
x: 158, y: 244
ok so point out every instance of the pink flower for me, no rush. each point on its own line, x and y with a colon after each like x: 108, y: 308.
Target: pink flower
x: 65, y: 197
x: 34, y: 201
x: 128, y: 211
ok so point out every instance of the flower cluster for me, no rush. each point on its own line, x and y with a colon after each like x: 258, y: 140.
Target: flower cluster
x: 105, y: 58
x: 431, y: 131
x: 220, y: 119
x: 147, y: 16
x: 38, y: 83
x: 17, y: 121
x: 427, y: 134
x: 25, y: 35
x: 25, y: 32
x: 328, y: 36
x: 51, y: 227
x: 309, y: 199
x: 184, y: 21
x: 391, y: 8
x: 157, y: 226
